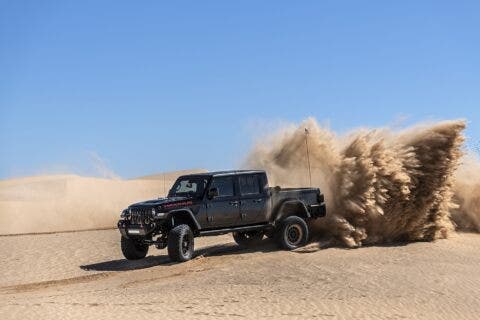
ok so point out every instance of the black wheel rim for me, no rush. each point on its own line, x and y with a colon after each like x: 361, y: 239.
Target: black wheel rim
x: 186, y: 243
x: 294, y: 234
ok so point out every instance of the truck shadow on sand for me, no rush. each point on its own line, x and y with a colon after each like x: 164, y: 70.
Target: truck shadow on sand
x: 227, y: 249
x: 153, y: 261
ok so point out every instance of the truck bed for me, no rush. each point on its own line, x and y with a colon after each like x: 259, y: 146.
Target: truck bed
x: 311, y: 197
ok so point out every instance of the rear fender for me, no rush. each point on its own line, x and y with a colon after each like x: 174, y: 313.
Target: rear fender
x: 292, y: 208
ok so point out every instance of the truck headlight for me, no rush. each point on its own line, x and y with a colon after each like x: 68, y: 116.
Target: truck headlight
x: 124, y: 214
x: 160, y: 214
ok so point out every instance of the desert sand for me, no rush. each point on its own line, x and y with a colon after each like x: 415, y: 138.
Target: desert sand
x: 82, y: 275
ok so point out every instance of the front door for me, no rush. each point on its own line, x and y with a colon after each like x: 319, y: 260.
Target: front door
x: 253, y: 200
x: 223, y: 210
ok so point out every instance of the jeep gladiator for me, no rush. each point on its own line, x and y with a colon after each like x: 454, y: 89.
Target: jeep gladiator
x: 238, y: 202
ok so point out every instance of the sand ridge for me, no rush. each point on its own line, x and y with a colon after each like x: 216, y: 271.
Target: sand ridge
x: 55, y: 203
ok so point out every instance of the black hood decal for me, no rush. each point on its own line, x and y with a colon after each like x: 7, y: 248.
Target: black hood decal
x: 159, y: 202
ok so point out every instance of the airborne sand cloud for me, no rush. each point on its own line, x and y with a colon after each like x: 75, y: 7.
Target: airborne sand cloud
x: 380, y: 185
x: 467, y: 194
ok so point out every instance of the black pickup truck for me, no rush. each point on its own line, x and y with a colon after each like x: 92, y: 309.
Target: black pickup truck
x: 216, y: 203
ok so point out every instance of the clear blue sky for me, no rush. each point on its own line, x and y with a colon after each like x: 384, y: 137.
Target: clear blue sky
x: 150, y: 86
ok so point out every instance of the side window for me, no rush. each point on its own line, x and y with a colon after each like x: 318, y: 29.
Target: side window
x: 249, y: 184
x: 224, y: 186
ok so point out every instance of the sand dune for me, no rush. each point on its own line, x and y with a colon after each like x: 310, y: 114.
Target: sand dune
x: 70, y: 202
x: 169, y: 176
x: 83, y: 275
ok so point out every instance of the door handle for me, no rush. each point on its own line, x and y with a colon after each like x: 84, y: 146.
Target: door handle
x: 234, y: 203
x: 257, y: 200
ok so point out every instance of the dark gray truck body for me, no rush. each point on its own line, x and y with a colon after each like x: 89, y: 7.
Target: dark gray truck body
x: 218, y: 203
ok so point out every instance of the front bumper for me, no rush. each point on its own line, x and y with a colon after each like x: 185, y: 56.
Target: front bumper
x: 127, y: 230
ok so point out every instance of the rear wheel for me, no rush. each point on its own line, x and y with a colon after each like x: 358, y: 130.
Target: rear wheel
x: 180, y: 243
x: 247, y: 239
x: 293, y: 233
x: 133, y: 249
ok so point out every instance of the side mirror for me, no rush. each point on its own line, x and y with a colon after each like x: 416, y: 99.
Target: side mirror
x: 212, y: 193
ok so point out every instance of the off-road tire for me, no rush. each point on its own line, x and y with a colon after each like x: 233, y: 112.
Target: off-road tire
x: 132, y: 249
x: 180, y: 243
x: 293, y: 233
x: 248, y: 239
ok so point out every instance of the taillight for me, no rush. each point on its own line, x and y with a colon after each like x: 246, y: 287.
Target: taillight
x: 321, y: 198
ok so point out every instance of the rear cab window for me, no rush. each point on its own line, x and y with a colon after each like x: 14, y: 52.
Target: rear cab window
x: 249, y: 184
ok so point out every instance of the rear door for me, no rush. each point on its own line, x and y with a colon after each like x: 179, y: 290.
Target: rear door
x: 223, y: 210
x: 253, y: 199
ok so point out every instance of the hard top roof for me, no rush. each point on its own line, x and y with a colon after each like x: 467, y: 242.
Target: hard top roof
x: 224, y: 173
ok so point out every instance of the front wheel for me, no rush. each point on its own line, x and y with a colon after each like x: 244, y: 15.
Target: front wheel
x: 180, y: 243
x: 132, y: 249
x: 293, y: 233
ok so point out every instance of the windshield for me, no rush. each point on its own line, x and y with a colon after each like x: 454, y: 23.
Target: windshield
x: 192, y: 187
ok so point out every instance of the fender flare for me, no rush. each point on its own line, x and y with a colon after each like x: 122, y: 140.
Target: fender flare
x: 280, y: 211
x: 186, y: 212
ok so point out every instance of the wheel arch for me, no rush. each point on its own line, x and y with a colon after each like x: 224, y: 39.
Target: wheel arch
x: 184, y: 216
x: 292, y: 207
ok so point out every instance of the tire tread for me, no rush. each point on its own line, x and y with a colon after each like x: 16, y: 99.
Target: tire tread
x: 281, y: 231
x: 174, y: 247
x: 132, y: 250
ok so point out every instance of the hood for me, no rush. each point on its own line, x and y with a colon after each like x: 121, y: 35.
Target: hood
x: 158, y: 202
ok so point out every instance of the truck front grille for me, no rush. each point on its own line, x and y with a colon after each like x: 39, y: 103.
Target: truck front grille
x: 140, y: 215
